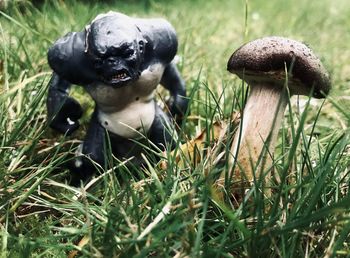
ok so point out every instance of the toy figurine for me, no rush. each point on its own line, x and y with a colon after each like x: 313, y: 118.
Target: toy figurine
x: 119, y: 61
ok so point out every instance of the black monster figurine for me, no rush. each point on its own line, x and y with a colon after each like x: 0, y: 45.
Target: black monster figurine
x: 119, y: 61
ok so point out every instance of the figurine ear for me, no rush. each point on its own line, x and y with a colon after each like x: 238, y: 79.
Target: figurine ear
x: 87, y: 32
x: 142, y: 43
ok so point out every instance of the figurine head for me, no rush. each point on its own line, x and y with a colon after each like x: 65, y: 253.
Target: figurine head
x: 116, y: 48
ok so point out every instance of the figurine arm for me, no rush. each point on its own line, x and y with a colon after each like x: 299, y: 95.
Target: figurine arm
x: 162, y: 46
x: 71, y: 65
x: 172, y: 81
x: 63, y: 111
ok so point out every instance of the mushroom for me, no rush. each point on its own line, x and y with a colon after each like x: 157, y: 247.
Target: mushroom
x: 263, y: 63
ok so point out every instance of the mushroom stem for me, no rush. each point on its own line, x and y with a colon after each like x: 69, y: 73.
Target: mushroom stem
x: 257, y: 134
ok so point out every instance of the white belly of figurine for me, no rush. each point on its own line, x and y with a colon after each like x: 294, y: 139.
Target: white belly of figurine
x: 130, y: 122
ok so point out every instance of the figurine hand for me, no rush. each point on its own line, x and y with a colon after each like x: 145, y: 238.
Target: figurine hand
x: 66, y: 120
x: 178, y: 106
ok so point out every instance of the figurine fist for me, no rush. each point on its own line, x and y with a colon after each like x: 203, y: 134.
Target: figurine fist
x: 178, y: 106
x: 66, y: 120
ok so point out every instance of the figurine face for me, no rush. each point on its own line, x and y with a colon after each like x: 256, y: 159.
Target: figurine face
x: 116, y: 48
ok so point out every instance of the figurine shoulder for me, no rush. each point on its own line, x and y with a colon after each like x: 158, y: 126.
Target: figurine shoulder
x: 68, y: 59
x: 161, y: 38
x: 63, y: 49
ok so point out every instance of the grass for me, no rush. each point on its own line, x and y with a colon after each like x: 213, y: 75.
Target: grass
x: 174, y: 211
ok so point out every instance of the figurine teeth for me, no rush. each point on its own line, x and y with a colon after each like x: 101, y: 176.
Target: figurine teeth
x: 119, y: 76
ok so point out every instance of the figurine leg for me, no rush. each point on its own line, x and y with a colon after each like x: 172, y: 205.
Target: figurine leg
x: 162, y: 132
x: 95, y: 145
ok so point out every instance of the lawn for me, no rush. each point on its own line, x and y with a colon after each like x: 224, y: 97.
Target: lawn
x: 173, y: 210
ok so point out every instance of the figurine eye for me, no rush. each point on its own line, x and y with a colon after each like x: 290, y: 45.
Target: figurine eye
x: 98, y: 63
x: 128, y: 53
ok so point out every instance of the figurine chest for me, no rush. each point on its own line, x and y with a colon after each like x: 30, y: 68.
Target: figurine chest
x: 112, y: 99
x: 129, y: 110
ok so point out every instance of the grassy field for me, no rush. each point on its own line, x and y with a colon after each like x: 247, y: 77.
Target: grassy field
x: 173, y: 211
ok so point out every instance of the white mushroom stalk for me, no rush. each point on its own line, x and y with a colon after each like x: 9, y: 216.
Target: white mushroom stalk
x: 258, y: 131
x: 262, y: 64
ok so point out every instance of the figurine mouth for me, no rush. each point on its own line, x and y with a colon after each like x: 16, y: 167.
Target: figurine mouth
x: 120, y: 77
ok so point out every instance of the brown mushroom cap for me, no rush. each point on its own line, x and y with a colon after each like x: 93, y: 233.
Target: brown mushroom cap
x: 265, y: 59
